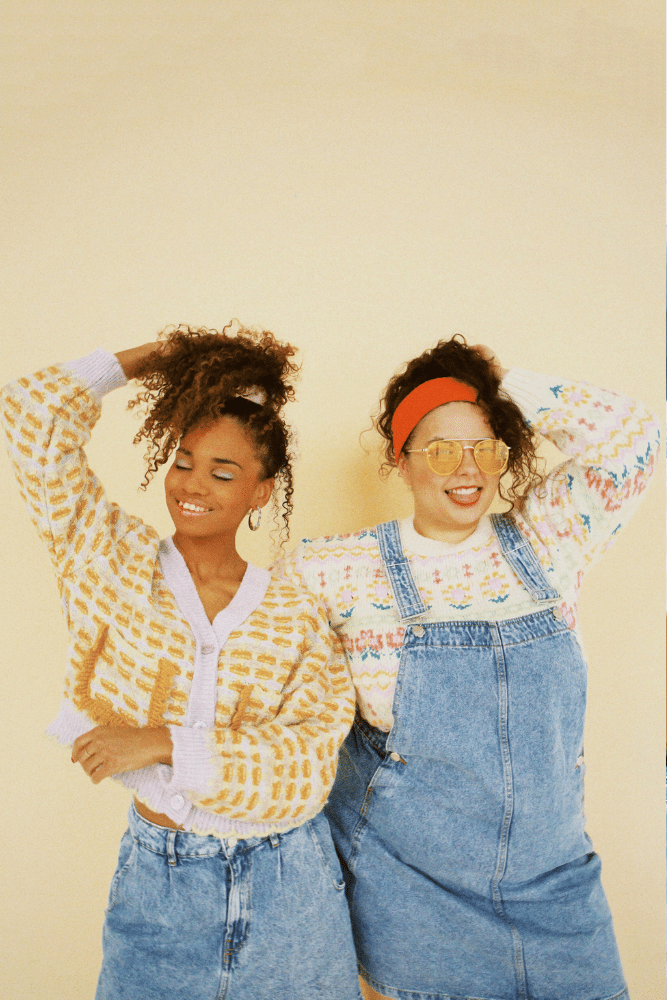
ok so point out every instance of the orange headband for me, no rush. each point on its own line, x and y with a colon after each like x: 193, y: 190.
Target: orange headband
x: 421, y: 401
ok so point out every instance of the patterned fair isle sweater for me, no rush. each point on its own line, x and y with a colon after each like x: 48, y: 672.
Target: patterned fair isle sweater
x: 257, y: 702
x: 569, y: 521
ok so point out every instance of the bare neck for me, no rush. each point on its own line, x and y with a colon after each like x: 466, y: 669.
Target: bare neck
x: 211, y: 559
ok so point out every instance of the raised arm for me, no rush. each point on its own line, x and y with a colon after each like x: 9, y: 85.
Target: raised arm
x: 612, y: 443
x: 48, y: 418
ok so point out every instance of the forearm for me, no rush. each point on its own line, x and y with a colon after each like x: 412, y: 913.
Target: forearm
x: 270, y: 773
x: 612, y: 444
x: 597, y: 428
x: 267, y: 771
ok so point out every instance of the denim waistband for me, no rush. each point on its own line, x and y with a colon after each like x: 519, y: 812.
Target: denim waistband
x: 162, y: 840
x: 510, y: 631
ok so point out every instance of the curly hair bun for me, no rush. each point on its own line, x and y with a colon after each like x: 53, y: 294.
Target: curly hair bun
x: 199, y: 375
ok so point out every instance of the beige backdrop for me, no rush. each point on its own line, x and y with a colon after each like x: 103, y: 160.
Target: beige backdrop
x: 363, y: 178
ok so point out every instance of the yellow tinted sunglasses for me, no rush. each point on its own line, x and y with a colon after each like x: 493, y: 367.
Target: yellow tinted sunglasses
x: 444, y: 457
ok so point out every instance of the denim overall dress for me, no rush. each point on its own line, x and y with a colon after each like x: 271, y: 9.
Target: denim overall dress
x: 468, y: 869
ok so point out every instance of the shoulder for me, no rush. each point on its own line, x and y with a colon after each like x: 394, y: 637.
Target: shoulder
x: 288, y: 601
x: 336, y: 546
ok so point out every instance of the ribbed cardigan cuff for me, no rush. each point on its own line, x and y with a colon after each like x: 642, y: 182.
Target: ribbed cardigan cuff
x: 100, y: 369
x: 192, y: 767
x: 152, y: 786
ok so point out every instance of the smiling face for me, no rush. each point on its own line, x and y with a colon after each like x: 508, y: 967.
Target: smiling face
x: 448, y: 508
x: 214, y: 481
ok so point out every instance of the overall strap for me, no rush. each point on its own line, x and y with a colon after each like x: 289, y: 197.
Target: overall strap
x: 399, y: 574
x: 522, y: 558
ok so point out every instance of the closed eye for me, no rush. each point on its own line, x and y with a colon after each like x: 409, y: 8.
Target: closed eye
x: 224, y: 476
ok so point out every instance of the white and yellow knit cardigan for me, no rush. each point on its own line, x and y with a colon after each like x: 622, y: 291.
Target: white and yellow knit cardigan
x: 257, y: 702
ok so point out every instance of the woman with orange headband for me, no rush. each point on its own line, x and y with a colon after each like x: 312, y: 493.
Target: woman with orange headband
x: 458, y: 805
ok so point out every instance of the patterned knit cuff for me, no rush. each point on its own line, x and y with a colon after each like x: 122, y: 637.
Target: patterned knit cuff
x: 101, y: 370
x: 530, y: 391
x: 192, y: 766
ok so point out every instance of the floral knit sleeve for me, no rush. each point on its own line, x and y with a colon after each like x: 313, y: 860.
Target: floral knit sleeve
x: 612, y: 442
x: 275, y: 761
x: 48, y: 418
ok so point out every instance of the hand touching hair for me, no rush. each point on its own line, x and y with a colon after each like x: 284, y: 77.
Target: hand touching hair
x: 197, y: 376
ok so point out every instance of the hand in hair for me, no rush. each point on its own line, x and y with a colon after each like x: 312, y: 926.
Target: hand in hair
x: 489, y: 355
x: 134, y: 359
x: 192, y: 377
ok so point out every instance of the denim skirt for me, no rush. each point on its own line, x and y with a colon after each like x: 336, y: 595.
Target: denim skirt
x: 197, y: 918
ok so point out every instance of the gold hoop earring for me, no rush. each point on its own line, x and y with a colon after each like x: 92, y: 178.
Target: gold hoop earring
x: 255, y: 526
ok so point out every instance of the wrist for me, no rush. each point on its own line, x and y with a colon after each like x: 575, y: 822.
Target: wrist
x: 160, y: 745
x: 133, y: 358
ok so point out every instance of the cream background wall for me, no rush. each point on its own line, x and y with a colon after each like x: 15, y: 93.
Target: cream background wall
x: 362, y: 178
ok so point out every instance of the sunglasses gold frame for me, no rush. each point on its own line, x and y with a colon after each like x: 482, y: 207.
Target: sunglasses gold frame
x: 431, y: 448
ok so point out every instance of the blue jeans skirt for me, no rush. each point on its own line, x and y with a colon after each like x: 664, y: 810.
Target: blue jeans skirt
x: 190, y: 918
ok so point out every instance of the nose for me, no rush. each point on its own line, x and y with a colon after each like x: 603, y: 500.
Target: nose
x: 194, y: 483
x: 468, y: 463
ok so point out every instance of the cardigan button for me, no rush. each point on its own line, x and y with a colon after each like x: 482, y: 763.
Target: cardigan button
x: 177, y: 801
x: 206, y: 650
x: 199, y: 725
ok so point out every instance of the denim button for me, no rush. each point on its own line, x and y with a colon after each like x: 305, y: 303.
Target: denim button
x: 580, y: 761
x: 231, y: 842
x: 395, y: 756
x: 177, y: 801
x: 207, y: 649
x: 199, y: 725
x: 419, y: 630
x: 557, y: 613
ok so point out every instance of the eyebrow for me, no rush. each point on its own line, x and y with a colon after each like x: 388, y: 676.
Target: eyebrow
x: 219, y: 461
x: 439, y: 437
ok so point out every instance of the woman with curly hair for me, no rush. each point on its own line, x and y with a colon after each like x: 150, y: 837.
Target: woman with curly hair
x: 458, y: 805
x: 215, y: 692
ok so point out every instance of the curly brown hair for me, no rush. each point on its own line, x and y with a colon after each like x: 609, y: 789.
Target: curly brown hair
x: 453, y: 358
x: 198, y: 375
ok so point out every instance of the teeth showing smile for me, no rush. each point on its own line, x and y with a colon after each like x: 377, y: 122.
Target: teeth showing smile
x: 192, y: 508
x: 464, y: 496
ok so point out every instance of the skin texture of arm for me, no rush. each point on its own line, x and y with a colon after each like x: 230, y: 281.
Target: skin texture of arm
x: 108, y: 750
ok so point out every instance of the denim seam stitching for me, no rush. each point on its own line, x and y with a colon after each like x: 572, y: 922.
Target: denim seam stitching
x: 560, y: 630
x: 503, y: 711
x: 368, y: 737
x: 403, y: 587
x: 530, y: 572
x: 338, y: 886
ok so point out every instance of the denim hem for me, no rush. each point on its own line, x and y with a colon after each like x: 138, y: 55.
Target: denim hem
x: 395, y: 993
